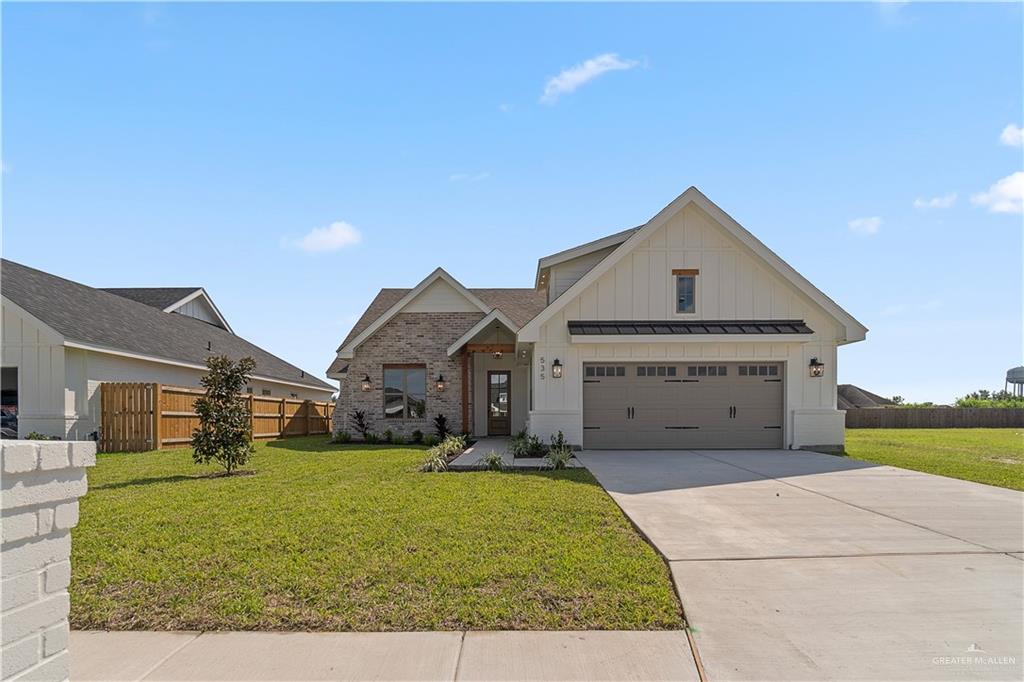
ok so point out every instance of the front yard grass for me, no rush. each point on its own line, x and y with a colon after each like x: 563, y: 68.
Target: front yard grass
x: 331, y: 537
x: 992, y: 456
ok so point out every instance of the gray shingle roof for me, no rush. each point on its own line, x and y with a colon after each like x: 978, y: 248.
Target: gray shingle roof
x: 850, y: 397
x: 521, y: 305
x: 157, y: 297
x: 97, y: 317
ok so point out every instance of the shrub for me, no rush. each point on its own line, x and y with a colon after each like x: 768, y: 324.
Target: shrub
x: 558, y: 457
x: 342, y: 437
x: 371, y: 438
x: 524, y: 445
x: 558, y: 441
x: 984, y: 398
x: 388, y: 436
x: 452, y: 446
x: 398, y: 439
x: 417, y: 436
x: 223, y: 434
x: 431, y: 440
x: 35, y: 435
x: 359, y: 421
x: 492, y: 461
x: 435, y: 461
x: 441, y: 427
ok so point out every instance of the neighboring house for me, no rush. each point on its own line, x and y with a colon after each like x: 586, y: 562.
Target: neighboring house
x: 850, y: 397
x: 62, y: 339
x: 686, y: 332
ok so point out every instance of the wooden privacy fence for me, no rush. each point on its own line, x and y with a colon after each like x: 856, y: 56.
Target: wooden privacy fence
x: 934, y: 417
x: 140, y: 417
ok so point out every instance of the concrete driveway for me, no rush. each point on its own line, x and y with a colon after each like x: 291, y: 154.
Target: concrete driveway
x: 796, y: 565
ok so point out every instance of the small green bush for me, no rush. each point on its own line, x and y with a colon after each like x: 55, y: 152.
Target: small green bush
x: 358, y: 418
x: 526, y: 445
x: 431, y: 440
x: 492, y: 461
x: 398, y: 439
x: 417, y: 437
x: 558, y: 457
x: 342, y: 437
x: 435, y: 461
x: 441, y: 426
x: 35, y: 435
x: 388, y: 436
x: 371, y: 438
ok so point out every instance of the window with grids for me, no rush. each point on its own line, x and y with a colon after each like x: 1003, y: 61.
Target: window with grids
x: 759, y: 370
x: 405, y: 391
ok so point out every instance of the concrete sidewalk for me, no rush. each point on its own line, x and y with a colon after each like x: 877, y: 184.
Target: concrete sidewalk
x: 598, y: 655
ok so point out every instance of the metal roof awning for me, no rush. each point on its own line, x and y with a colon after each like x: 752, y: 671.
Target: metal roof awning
x: 686, y: 328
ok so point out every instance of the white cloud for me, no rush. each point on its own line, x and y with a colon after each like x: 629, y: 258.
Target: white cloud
x: 468, y: 177
x: 944, y: 201
x: 1012, y: 136
x: 1006, y: 196
x: 570, y: 79
x: 866, y: 226
x: 335, y: 236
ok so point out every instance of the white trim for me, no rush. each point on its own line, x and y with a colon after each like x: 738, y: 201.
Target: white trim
x: 480, y: 326
x: 855, y: 331
x: 181, y: 363
x: 581, y: 250
x: 213, y: 306
x: 347, y: 351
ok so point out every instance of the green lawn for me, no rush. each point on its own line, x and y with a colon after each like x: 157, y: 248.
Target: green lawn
x: 328, y: 537
x: 993, y: 456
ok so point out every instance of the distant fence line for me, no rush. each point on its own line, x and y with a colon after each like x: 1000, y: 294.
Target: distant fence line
x: 136, y: 417
x: 934, y: 417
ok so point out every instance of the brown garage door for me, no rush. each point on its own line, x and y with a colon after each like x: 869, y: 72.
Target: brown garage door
x: 682, y: 405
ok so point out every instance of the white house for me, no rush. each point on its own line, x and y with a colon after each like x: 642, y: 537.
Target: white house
x: 686, y: 332
x: 61, y: 339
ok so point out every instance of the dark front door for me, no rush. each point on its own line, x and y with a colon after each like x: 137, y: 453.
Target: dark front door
x: 499, y: 403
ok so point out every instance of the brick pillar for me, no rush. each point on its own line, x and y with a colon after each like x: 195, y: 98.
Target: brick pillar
x: 42, y: 481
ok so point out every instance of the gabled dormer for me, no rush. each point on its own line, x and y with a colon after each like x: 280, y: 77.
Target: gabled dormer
x: 191, y: 302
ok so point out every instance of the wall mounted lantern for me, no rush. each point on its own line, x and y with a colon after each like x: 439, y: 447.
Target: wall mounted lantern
x: 440, y: 382
x: 556, y: 369
x: 497, y: 355
x: 816, y: 368
x: 366, y: 385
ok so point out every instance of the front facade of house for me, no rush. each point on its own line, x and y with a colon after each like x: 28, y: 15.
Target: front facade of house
x: 62, y: 339
x: 686, y: 332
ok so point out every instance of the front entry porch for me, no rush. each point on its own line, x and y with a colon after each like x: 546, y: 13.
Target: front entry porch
x: 495, y: 378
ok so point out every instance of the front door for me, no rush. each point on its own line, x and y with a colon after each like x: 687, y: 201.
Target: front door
x: 499, y: 403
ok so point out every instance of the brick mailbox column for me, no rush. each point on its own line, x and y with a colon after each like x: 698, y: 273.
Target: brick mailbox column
x: 40, y: 482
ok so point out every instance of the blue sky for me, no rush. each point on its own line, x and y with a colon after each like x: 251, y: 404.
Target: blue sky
x: 293, y: 159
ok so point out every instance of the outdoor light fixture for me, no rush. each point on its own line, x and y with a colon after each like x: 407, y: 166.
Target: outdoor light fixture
x: 556, y: 369
x: 497, y: 355
x: 817, y: 369
x: 366, y: 385
x: 440, y: 382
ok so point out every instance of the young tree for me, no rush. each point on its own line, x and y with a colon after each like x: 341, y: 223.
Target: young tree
x: 223, y: 434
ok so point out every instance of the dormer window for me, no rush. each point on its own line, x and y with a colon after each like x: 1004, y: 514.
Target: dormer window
x: 686, y: 291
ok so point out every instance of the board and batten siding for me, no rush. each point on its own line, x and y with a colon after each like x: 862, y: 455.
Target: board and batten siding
x: 200, y: 310
x: 733, y: 284
x: 564, y: 275
x: 38, y: 354
x: 440, y: 297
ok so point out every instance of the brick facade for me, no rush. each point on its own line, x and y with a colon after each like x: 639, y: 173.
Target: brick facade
x: 407, y: 338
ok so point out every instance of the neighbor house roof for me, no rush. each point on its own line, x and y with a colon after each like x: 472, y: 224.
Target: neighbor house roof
x: 157, y: 297
x: 850, y: 397
x: 520, y: 305
x: 97, y: 319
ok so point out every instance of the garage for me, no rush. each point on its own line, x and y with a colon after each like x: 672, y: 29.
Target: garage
x: 682, y: 405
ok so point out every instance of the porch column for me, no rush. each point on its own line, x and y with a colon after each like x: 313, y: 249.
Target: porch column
x: 465, y: 392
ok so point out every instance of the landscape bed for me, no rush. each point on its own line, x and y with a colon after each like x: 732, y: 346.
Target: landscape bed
x: 992, y: 456
x: 353, y: 537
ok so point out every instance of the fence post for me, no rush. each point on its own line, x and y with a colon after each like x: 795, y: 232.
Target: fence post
x: 252, y: 420
x: 307, y: 404
x: 158, y: 392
